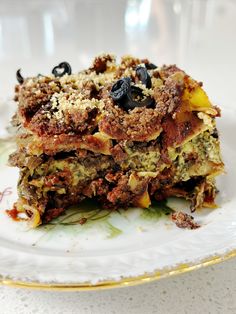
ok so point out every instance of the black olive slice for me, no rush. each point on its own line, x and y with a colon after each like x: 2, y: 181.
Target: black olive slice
x: 144, y: 77
x: 61, y: 69
x: 215, y: 133
x: 120, y: 88
x: 150, y: 66
x: 135, y: 99
x: 128, y: 96
x: 19, y: 77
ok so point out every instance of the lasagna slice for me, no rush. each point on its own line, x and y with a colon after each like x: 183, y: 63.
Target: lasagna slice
x: 123, y: 134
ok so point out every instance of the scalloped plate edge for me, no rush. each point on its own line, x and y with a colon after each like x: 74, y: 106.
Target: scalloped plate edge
x: 125, y: 282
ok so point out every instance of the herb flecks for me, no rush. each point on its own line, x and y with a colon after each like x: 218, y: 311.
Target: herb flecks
x: 81, y: 214
x: 157, y: 210
x: 85, y: 213
x: 113, y: 231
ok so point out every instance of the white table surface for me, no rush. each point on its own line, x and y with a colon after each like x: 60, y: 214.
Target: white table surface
x: 199, y: 36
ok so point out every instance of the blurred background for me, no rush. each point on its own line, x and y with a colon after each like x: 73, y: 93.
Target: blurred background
x: 197, y: 35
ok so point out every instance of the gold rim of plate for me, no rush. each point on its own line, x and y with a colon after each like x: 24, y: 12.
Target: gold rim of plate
x: 125, y: 282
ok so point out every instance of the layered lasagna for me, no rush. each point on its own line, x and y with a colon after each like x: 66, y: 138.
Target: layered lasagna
x: 123, y: 134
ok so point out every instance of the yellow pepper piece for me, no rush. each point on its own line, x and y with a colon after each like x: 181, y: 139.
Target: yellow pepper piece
x: 198, y: 99
x: 144, y: 200
x: 133, y: 182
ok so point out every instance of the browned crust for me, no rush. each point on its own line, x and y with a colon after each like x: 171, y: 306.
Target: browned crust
x: 32, y: 98
x: 184, y: 221
x: 141, y: 125
x: 37, y: 114
x: 79, y: 123
x: 176, y: 131
x: 168, y: 96
x: 63, y: 143
x: 101, y: 63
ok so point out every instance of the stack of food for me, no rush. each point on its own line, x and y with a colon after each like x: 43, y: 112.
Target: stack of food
x: 122, y: 134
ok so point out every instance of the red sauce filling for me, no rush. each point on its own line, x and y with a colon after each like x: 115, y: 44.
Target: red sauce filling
x: 13, y: 213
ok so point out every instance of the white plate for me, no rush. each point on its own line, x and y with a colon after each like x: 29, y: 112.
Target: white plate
x: 121, y: 247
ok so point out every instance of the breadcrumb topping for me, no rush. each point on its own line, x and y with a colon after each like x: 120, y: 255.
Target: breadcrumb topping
x: 81, y: 102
